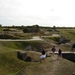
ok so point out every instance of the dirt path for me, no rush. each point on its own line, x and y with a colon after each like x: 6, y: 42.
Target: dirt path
x: 55, y: 65
x: 51, y: 66
x: 47, y: 67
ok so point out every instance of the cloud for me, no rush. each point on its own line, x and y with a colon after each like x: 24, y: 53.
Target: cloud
x: 42, y: 12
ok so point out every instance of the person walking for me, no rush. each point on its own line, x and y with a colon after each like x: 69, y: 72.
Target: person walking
x: 73, y: 48
x: 59, y: 54
x: 43, y: 56
x: 53, y: 50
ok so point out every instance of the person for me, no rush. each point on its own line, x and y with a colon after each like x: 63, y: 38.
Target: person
x: 43, y: 56
x: 73, y: 47
x: 53, y: 50
x: 59, y: 53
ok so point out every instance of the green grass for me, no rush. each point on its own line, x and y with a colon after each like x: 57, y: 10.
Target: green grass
x: 19, y: 44
x: 50, y: 67
x: 10, y: 64
x: 66, y: 67
x: 53, y: 38
x: 68, y: 33
x: 10, y: 35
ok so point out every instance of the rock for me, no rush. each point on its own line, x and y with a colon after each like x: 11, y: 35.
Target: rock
x: 29, y: 55
x: 63, y: 40
x: 22, y: 55
x: 35, y: 56
x: 48, y: 54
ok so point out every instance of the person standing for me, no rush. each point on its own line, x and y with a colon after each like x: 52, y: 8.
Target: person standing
x: 73, y: 48
x: 53, y: 50
x: 43, y: 56
x: 59, y: 53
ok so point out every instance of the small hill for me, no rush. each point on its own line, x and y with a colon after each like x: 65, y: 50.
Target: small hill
x: 11, y: 65
x: 9, y: 62
x: 51, y: 66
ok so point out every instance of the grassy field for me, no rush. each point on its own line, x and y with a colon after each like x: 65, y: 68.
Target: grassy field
x: 51, y: 66
x: 68, y: 33
x: 11, y: 65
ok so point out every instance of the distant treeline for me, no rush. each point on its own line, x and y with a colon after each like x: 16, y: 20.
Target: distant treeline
x: 23, y: 26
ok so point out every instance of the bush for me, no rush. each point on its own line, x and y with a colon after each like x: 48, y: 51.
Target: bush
x: 63, y: 40
x: 7, y: 37
x: 25, y: 30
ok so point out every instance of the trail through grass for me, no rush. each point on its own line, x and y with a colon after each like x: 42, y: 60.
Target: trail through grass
x: 51, y: 66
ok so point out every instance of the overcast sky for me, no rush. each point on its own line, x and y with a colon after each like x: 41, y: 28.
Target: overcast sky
x: 42, y: 12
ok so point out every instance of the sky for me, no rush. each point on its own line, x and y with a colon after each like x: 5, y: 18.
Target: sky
x: 60, y: 13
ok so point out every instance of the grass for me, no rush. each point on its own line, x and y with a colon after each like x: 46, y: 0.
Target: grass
x: 19, y: 44
x: 51, y: 66
x: 53, y: 38
x: 10, y: 64
x: 66, y: 67
x: 16, y: 36
x: 68, y: 33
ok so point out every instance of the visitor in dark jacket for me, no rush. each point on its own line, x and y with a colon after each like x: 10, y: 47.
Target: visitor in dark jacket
x: 43, y: 56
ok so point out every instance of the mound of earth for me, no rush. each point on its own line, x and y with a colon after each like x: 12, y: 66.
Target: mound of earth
x: 51, y: 66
